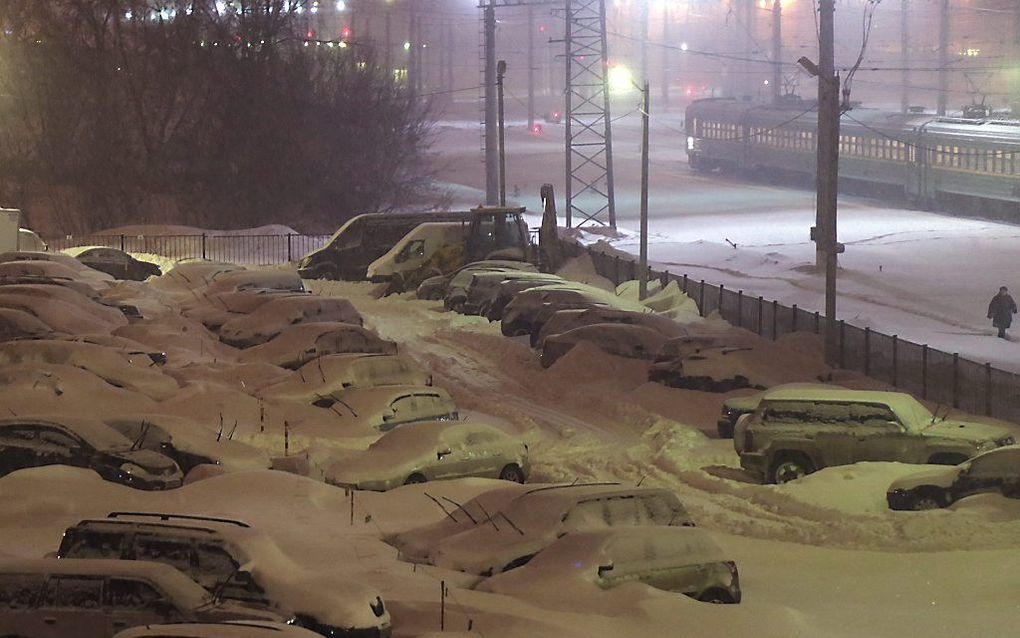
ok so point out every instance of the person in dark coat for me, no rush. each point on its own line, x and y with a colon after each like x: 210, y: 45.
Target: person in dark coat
x: 1001, y: 311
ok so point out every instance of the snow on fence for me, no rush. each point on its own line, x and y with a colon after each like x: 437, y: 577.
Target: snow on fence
x: 937, y: 376
x: 255, y: 250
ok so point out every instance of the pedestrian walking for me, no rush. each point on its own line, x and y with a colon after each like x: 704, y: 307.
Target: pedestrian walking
x: 1001, y: 311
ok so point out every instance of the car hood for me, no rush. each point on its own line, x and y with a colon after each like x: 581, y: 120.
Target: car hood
x: 148, y: 460
x: 939, y: 476
x: 967, y: 431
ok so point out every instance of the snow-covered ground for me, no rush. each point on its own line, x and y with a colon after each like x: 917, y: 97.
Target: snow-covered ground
x: 927, y: 277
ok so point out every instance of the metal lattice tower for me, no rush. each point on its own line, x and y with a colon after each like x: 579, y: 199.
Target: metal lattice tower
x: 589, y: 139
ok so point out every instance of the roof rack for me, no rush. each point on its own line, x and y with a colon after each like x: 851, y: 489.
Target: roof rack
x: 186, y: 517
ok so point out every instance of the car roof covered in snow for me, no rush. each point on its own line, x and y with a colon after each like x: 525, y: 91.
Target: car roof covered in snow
x: 423, y: 435
x: 901, y: 403
x: 229, y: 629
x: 375, y: 398
x: 553, y: 500
x: 592, y: 548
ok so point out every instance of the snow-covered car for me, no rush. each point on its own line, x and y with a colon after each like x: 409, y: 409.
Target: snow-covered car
x: 235, y: 562
x: 216, y: 309
x: 88, y: 303
x: 116, y: 367
x: 272, y: 318
x: 561, y: 321
x: 27, y: 442
x: 60, y: 315
x: 95, y: 278
x: 433, y: 451
x: 298, y: 344
x: 331, y: 374
x: 232, y: 629
x: 51, y: 598
x: 18, y: 324
x: 194, y: 274
x: 519, y: 316
x: 679, y: 559
x: 188, y: 443
x: 994, y: 471
x: 369, y: 411
x: 38, y: 268
x: 28, y: 239
x: 484, y: 289
x: 797, y: 431
x: 736, y: 407
x: 82, y: 287
x: 511, y: 288
x: 114, y: 262
x: 435, y: 288
x: 622, y: 340
x: 501, y: 538
x: 237, y: 280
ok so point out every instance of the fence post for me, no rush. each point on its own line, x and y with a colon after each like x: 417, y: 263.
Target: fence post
x: 775, y: 311
x: 721, y: 290
x: 122, y: 242
x: 701, y: 298
x: 818, y: 323
x: 924, y: 371
x: 794, y: 322
x: 289, y: 257
x: 956, y: 379
x: 740, y: 306
x: 867, y: 351
x: 665, y: 278
x: 842, y: 343
x: 760, y: 311
x: 616, y: 269
x: 988, y: 389
x: 685, y: 283
x: 203, y: 245
x: 895, y: 362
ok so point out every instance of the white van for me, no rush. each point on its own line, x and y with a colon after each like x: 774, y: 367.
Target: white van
x: 416, y: 247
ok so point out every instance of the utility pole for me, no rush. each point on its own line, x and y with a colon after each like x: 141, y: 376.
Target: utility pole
x: 451, y: 45
x: 531, y: 67
x: 500, y: 72
x: 904, y: 55
x: 824, y: 232
x: 491, y: 152
x: 644, y: 38
x: 750, y: 31
x: 643, y: 258
x: 777, y: 50
x: 943, y: 58
x: 667, y: 40
x: 388, y: 36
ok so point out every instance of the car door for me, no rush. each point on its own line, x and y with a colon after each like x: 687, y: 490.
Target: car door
x: 131, y: 602
x: 997, y: 471
x: 454, y: 455
x: 71, y: 606
x: 878, y: 434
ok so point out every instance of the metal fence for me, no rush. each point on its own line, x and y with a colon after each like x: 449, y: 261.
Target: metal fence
x: 931, y: 374
x: 258, y: 250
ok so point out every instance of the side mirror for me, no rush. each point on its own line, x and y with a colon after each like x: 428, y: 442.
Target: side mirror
x: 441, y: 453
x: 605, y: 568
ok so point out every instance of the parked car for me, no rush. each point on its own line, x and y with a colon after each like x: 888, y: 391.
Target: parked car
x: 510, y: 535
x: 114, y: 262
x: 59, y: 315
x: 188, y: 443
x: 561, y: 321
x: 272, y: 318
x: 235, y: 562
x: 238, y: 280
x: 736, y: 407
x: 520, y: 315
x: 194, y: 274
x: 432, y: 451
x: 482, y: 291
x: 231, y: 629
x: 679, y: 559
x: 296, y: 345
x: 437, y: 287
x: 997, y: 471
x: 38, y: 441
x: 51, y: 598
x: 508, y: 289
x: 334, y: 373
x: 95, y: 278
x: 216, y: 309
x: 795, y: 432
x: 369, y: 411
x: 622, y: 340
x: 18, y: 324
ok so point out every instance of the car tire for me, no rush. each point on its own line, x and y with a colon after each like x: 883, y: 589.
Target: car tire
x: 716, y: 596
x: 930, y: 499
x: 789, y: 467
x: 415, y: 479
x: 512, y: 472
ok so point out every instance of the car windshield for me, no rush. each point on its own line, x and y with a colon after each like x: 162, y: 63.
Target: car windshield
x: 100, y: 436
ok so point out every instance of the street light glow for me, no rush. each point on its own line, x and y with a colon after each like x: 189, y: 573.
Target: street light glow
x: 621, y: 80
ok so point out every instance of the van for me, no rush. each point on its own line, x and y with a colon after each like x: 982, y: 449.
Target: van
x: 96, y: 598
x: 416, y: 248
x: 363, y: 239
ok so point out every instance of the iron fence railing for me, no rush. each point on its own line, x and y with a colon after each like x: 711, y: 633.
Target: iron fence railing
x: 258, y: 250
x: 940, y: 377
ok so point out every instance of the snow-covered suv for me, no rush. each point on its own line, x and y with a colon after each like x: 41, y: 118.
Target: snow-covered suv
x: 235, y: 562
x: 796, y: 431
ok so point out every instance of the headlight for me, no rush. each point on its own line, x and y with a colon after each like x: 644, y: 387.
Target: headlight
x: 131, y: 468
x: 985, y: 446
x: 690, y: 143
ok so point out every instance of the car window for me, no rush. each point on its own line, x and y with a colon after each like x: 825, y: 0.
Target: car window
x: 480, y: 438
x: 661, y: 510
x: 73, y: 592
x: 90, y: 544
x: 213, y: 559
x: 18, y: 591
x: 173, y: 552
x: 624, y: 510
x: 1005, y: 464
x: 589, y: 514
x: 56, y: 437
x: 133, y: 595
x: 19, y: 434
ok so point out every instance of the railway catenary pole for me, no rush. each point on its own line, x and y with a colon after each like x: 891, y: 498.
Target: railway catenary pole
x: 777, y: 50
x: 943, y: 57
x: 531, y: 67
x: 491, y: 150
x: 904, y: 55
x: 667, y: 38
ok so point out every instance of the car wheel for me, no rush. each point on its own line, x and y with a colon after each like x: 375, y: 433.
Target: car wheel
x: 790, y: 467
x: 930, y: 500
x: 415, y: 478
x: 716, y: 596
x: 512, y: 472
